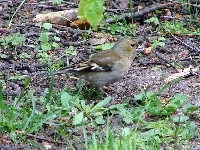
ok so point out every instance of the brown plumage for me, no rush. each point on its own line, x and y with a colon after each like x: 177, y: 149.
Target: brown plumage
x: 108, y: 66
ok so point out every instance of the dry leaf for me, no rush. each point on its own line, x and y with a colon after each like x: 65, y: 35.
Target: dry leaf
x: 178, y: 16
x: 80, y: 24
x: 167, y: 12
x: 148, y: 50
x: 140, y: 7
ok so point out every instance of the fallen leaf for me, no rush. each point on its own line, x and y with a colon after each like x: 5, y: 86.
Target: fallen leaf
x: 80, y: 24
x: 140, y: 7
x: 148, y: 50
x: 178, y: 16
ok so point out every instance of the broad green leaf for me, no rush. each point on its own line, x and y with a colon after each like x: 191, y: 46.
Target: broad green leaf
x: 47, y: 26
x: 55, y: 45
x: 3, y: 56
x: 78, y: 118
x: 43, y: 37
x: 65, y: 98
x: 179, y: 118
x: 82, y: 4
x: 13, y: 136
x: 100, y: 120
x: 103, y: 103
x: 161, y: 44
x: 104, y: 46
x: 161, y: 39
x: 45, y: 46
x: 56, y: 38
x: 57, y: 2
x: 94, y: 13
x: 126, y: 131
x: 71, y: 51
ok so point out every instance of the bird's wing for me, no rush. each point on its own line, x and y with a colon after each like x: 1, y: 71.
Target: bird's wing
x: 103, y: 61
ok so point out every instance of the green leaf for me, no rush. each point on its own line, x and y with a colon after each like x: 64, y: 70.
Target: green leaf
x: 179, y: 118
x: 47, y: 26
x: 71, y: 51
x: 127, y: 119
x: 15, y: 39
x: 100, y: 120
x: 65, y: 98
x: 152, y: 20
x: 161, y: 39
x: 55, y: 45
x: 94, y: 142
x: 3, y: 56
x: 179, y: 99
x: 56, y: 38
x: 16, y: 77
x: 13, y: 136
x: 117, y: 106
x: 161, y: 43
x: 102, y: 103
x: 45, y: 46
x: 78, y: 118
x: 44, y: 120
x: 82, y: 4
x: 43, y: 37
x: 150, y: 133
x: 126, y: 131
x: 57, y: 2
x: 94, y: 13
x: 190, y: 108
x: 139, y: 96
x: 24, y: 55
x: 104, y: 46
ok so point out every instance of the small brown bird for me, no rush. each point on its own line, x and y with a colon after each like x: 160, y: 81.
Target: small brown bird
x: 108, y: 66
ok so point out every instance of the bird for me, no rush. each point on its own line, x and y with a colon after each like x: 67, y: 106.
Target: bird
x: 106, y: 67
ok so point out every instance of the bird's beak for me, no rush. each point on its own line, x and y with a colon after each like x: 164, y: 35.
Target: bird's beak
x: 140, y: 48
x: 139, y: 42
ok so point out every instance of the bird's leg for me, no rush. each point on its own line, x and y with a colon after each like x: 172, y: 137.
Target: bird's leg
x: 102, y: 89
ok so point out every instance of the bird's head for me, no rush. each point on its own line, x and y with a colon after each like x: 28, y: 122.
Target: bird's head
x: 126, y: 46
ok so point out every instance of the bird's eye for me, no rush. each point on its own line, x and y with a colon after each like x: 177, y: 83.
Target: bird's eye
x: 132, y: 45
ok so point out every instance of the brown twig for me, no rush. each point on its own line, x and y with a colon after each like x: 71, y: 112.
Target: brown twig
x: 142, y: 12
x: 42, y: 138
x: 180, y: 19
x: 193, y: 48
x: 166, y: 61
x: 145, y: 63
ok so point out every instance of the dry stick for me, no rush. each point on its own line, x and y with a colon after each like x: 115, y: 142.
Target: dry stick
x: 195, y: 1
x: 193, y: 48
x: 142, y: 12
x: 194, y: 4
x: 41, y: 138
x: 180, y: 19
x: 115, y: 5
x: 167, y: 62
x: 115, y: 11
x: 145, y: 63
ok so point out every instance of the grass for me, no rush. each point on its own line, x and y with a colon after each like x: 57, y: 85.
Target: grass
x: 149, y: 124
